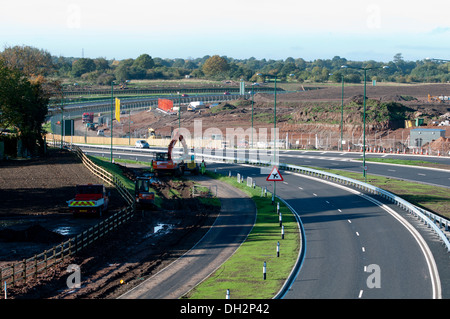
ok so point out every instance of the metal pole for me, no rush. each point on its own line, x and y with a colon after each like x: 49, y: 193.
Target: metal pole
x: 112, y: 102
x: 275, y: 134
x: 251, y: 145
x: 364, y: 133
x: 342, y: 112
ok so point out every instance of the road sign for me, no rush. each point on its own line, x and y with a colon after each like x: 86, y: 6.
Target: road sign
x: 274, y: 176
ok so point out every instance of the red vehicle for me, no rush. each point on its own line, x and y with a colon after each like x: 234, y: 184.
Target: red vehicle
x: 90, y: 199
x: 87, y: 117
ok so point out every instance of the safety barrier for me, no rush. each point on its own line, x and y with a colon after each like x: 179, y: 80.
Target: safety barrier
x: 433, y: 221
x: 31, y: 267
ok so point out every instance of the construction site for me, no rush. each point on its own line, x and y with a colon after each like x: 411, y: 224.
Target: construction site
x: 36, y: 205
x: 317, y: 117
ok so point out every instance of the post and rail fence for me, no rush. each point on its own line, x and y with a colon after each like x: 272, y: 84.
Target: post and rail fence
x: 30, y: 267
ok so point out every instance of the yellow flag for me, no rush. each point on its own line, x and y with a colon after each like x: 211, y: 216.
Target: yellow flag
x: 118, y: 110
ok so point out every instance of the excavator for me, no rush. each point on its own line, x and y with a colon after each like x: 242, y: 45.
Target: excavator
x: 165, y: 164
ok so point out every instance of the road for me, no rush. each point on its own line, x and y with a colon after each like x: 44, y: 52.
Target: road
x: 353, y: 162
x: 349, y: 237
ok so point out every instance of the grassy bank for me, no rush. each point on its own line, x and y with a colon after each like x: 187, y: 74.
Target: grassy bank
x: 242, y: 274
x: 420, y: 163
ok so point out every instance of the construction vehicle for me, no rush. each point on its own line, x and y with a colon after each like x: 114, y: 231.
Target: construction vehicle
x: 91, y: 126
x: 165, y: 164
x: 145, y: 198
x: 87, y: 117
x: 90, y: 200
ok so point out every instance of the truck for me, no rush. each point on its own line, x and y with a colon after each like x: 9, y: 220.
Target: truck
x: 90, y: 200
x: 87, y: 117
x: 193, y: 105
x: 145, y: 197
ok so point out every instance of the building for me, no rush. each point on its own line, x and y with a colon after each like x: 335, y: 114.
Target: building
x: 421, y: 136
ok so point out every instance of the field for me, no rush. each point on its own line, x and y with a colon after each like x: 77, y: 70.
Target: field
x: 34, y: 217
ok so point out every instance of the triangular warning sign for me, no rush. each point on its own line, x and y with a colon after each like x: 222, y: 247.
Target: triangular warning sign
x: 274, y: 176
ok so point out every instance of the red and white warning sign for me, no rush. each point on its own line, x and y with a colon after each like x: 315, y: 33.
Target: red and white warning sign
x: 274, y: 176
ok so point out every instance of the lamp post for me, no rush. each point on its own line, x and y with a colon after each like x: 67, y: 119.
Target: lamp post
x: 253, y: 93
x: 364, y: 116
x: 112, y: 103
x: 342, y: 113
x: 274, y: 109
x: 274, y: 125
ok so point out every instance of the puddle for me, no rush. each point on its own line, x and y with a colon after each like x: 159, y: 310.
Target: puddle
x: 160, y: 229
x: 64, y: 230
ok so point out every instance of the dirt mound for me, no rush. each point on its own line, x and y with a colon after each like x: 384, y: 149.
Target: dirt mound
x: 34, y: 233
x: 442, y: 145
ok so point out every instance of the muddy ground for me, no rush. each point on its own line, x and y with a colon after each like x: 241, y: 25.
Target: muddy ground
x: 38, y: 219
x: 303, y: 113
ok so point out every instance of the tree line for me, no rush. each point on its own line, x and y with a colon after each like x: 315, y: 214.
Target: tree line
x: 102, y: 71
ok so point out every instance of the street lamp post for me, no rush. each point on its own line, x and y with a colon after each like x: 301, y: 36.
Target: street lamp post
x: 253, y: 93
x: 112, y: 103
x: 274, y: 126
x: 364, y: 116
x: 342, y: 112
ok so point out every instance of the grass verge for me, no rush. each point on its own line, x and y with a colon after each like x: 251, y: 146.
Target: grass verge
x: 242, y: 273
x: 406, y: 162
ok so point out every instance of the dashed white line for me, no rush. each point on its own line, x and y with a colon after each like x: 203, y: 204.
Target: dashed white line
x: 314, y: 194
x: 349, y: 221
x: 363, y: 249
x: 360, y: 294
x: 357, y: 234
x: 301, y: 188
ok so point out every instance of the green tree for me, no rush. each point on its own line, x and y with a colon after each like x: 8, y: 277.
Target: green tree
x: 144, y: 61
x: 215, y: 65
x: 83, y: 65
x: 23, y: 105
x: 31, y: 61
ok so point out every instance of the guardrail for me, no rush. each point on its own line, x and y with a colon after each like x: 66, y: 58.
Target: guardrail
x: 31, y: 267
x: 433, y: 221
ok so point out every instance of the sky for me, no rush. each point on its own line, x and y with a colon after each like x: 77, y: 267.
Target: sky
x: 357, y: 30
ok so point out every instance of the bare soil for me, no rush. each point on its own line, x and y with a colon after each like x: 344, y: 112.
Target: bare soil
x: 113, y: 264
x: 312, y: 111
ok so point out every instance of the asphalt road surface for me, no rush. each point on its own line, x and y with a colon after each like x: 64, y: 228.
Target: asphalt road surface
x: 354, y: 247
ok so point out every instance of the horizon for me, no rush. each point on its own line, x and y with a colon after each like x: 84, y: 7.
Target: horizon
x: 320, y: 30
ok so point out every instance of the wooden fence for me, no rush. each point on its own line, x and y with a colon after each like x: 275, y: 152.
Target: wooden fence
x: 21, y: 271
